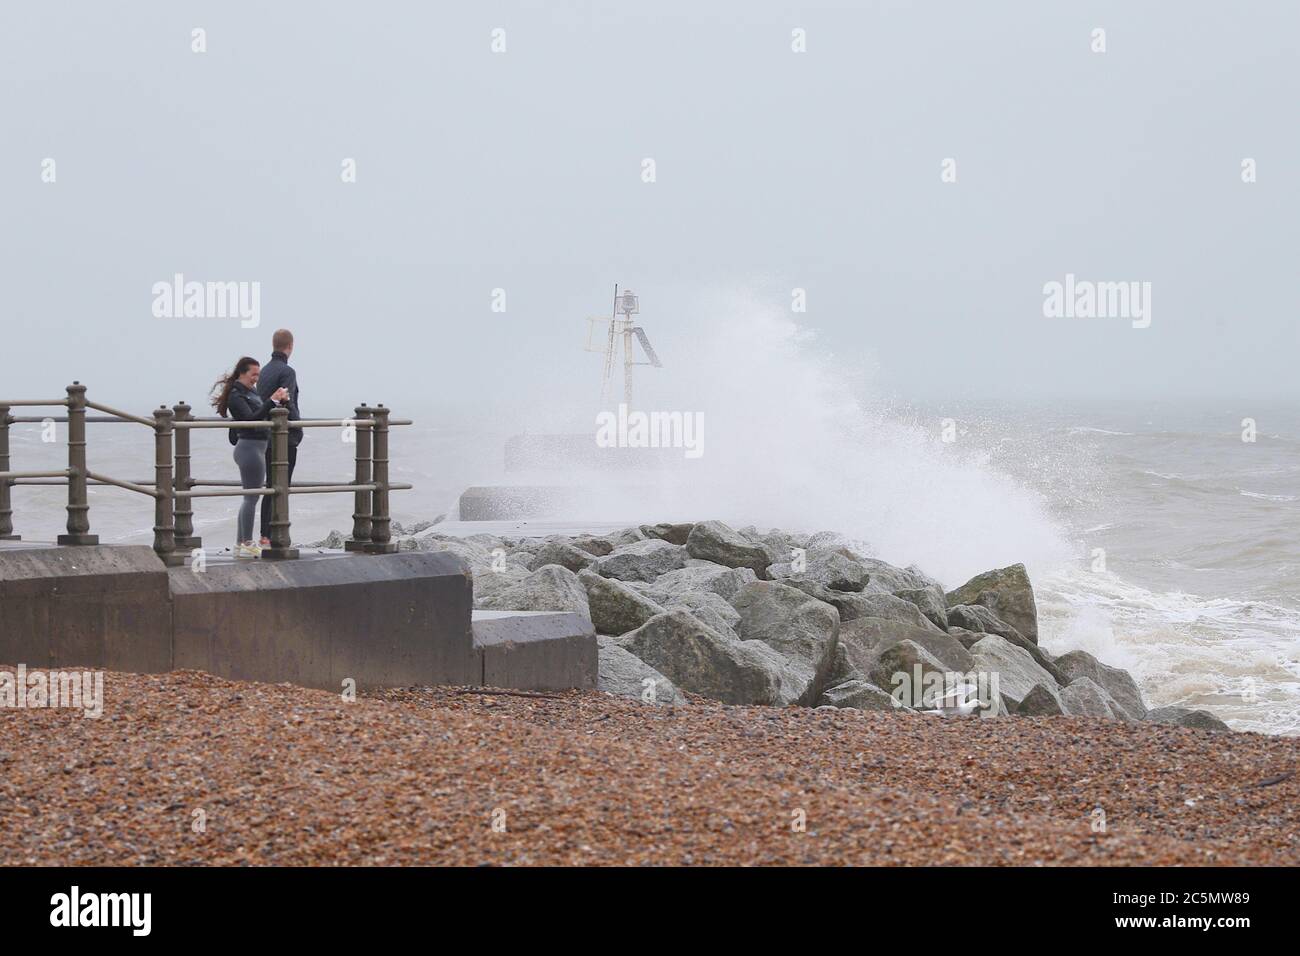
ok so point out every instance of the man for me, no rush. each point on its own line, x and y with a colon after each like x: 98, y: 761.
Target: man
x: 278, y: 373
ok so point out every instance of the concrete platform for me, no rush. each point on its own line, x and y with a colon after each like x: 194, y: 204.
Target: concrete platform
x: 393, y: 620
x: 536, y: 650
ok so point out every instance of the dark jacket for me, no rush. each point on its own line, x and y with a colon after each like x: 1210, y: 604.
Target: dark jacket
x: 278, y: 373
x: 245, y: 405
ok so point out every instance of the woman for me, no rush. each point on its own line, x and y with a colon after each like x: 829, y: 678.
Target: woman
x: 235, y: 395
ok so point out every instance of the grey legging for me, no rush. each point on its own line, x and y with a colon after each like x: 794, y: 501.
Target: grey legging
x: 250, y: 456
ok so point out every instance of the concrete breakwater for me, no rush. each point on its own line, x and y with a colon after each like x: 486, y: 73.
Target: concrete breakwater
x: 325, y: 621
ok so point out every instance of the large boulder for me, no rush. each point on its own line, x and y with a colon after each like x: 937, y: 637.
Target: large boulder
x: 563, y: 554
x: 866, y: 638
x: 851, y: 605
x: 672, y: 533
x: 801, y: 628
x: 968, y: 638
x: 882, y: 605
x: 910, y: 674
x: 1083, y: 697
x: 716, y: 542
x: 1017, y: 672
x: 858, y: 694
x: 979, y: 619
x: 593, y: 545
x: 624, y: 537
x: 478, y: 557
x: 1186, y: 717
x: 703, y: 576
x: 829, y: 568
x: 1043, y: 700
x: 488, y: 583
x: 1007, y: 593
x: 615, y: 607
x: 710, y: 608
x: 641, y: 561
x: 885, y: 577
x: 549, y: 588
x: 930, y: 602
x: 623, y: 673
x: 1117, y: 682
x: 699, y: 659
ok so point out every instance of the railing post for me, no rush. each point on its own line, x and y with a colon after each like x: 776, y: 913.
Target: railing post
x: 183, y: 508
x: 361, y: 505
x: 6, y: 505
x: 164, y: 534
x: 380, y: 535
x: 281, y: 547
x: 78, y: 503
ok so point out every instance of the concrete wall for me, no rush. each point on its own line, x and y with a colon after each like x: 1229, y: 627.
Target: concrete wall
x: 394, y: 620
x: 85, y: 606
x: 382, y: 620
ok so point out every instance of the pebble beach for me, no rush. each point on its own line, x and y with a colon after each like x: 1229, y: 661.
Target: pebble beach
x: 189, y: 769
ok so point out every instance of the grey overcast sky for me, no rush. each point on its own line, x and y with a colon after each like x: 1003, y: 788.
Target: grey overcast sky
x: 774, y: 169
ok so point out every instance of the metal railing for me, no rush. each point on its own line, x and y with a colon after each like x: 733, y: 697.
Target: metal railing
x: 174, y: 488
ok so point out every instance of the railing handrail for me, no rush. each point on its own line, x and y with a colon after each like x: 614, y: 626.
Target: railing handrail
x: 174, y: 488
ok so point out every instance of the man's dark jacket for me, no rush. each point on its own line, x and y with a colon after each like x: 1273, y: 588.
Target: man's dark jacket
x: 279, y: 373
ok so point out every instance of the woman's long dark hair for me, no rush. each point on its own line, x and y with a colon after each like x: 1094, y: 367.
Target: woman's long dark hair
x: 222, y: 386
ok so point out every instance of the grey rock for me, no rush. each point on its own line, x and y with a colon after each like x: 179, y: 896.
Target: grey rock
x: 1082, y: 697
x: 622, y: 672
x: 1118, y: 683
x: 488, y: 584
x: 1186, y: 717
x: 891, y: 608
x: 842, y: 670
x: 710, y: 608
x: 851, y: 605
x: 1007, y: 593
x: 625, y: 536
x: 593, y: 545
x: 930, y: 602
x: 829, y: 539
x: 699, y: 659
x: 563, y: 554
x: 672, y: 533
x: 478, y: 557
x: 866, y: 638
x: 884, y: 577
x: 858, y: 694
x: 1043, y: 700
x: 968, y: 638
x: 904, y: 672
x: 642, y: 561
x: 1017, y: 672
x: 831, y: 569
x: 701, y: 576
x: 716, y: 542
x: 615, y: 607
x: 334, y: 540
x: 975, y: 617
x: 801, y: 628
x: 549, y: 588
